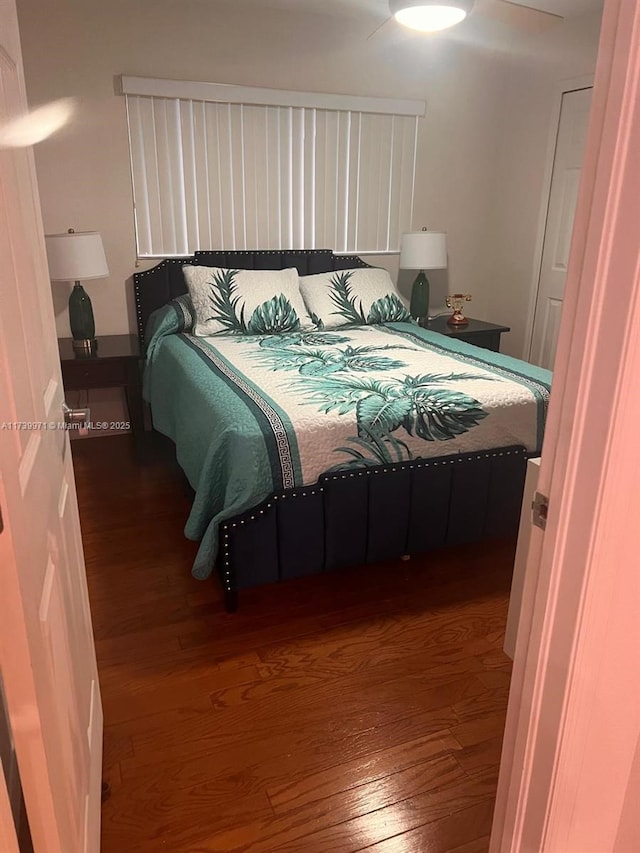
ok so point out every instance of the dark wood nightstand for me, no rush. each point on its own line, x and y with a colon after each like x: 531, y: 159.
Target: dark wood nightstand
x: 486, y: 335
x: 116, y: 364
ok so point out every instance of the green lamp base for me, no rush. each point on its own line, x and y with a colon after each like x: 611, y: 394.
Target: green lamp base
x: 83, y: 327
x: 419, y: 307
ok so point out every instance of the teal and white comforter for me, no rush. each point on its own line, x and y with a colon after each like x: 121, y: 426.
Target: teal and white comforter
x: 254, y: 414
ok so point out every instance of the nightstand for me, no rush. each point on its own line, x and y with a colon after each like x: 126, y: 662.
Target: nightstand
x: 116, y: 364
x: 486, y: 335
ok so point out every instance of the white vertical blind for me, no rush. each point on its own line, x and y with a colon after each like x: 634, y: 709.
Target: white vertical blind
x: 209, y: 175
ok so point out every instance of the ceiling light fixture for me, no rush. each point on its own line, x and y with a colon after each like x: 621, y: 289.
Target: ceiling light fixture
x: 429, y: 16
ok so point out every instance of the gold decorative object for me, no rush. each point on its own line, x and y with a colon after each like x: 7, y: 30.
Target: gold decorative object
x: 456, y: 301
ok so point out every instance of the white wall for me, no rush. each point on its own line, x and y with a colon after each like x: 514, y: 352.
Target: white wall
x: 76, y: 48
x: 530, y: 101
x: 481, y: 150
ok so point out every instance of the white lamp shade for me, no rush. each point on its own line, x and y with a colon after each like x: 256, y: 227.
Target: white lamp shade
x: 76, y: 256
x: 423, y: 250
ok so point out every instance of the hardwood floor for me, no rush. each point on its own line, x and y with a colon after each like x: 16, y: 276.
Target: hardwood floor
x: 318, y: 719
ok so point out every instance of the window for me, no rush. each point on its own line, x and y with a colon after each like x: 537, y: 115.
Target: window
x: 216, y: 166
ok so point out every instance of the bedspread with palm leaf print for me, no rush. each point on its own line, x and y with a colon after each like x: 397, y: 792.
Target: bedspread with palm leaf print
x: 293, y: 406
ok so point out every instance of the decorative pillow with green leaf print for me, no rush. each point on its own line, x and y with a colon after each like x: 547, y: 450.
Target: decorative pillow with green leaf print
x: 246, y: 302
x: 357, y: 297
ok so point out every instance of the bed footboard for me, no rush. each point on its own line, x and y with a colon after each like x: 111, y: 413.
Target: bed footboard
x: 373, y: 514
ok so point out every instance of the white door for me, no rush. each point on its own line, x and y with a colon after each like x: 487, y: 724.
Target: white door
x: 567, y: 168
x: 47, y: 656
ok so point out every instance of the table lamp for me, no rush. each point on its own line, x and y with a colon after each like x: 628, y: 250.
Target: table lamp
x: 74, y: 256
x: 422, y: 250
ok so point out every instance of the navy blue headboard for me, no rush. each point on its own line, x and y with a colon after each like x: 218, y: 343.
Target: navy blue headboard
x: 157, y: 286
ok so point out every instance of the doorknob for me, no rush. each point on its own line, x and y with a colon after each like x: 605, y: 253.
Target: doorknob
x: 76, y: 419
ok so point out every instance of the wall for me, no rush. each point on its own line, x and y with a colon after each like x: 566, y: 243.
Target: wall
x: 474, y: 177
x: 76, y: 48
x: 530, y: 101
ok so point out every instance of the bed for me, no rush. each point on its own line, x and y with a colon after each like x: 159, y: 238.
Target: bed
x: 312, y: 452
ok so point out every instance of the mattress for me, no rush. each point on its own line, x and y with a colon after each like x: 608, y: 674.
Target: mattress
x: 251, y: 415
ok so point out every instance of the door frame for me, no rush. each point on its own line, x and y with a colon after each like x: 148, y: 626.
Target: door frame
x: 8, y: 837
x: 573, y: 723
x: 561, y: 88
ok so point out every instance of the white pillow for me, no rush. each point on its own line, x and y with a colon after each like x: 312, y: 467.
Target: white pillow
x: 357, y: 297
x: 246, y: 302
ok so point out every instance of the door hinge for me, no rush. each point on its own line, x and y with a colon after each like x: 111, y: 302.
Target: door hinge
x: 540, y: 510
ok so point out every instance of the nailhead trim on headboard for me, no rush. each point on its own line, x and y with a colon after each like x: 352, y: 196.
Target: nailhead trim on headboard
x: 147, y: 284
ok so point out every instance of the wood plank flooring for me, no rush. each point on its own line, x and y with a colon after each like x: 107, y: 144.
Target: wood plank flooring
x: 331, y: 714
